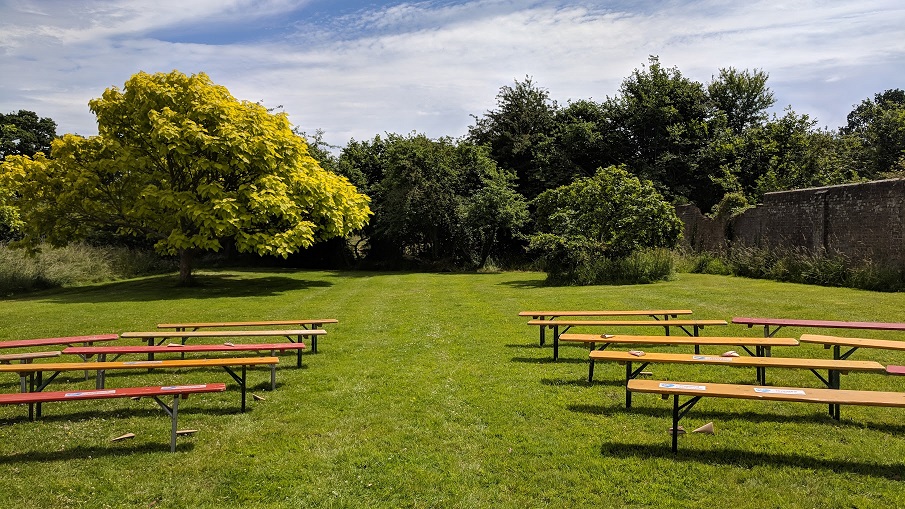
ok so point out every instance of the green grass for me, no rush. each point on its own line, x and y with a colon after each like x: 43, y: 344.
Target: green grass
x: 431, y: 392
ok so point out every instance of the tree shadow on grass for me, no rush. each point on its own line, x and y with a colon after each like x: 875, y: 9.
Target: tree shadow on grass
x: 163, y: 288
x: 749, y: 459
x: 548, y: 360
x: 530, y: 283
x: 583, y: 382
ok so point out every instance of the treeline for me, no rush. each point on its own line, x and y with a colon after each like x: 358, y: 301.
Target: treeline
x: 478, y: 200
x: 462, y: 202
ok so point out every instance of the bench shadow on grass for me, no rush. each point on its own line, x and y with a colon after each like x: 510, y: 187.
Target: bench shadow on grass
x: 162, y: 288
x: 81, y: 453
x: 665, y: 413
x: 749, y: 459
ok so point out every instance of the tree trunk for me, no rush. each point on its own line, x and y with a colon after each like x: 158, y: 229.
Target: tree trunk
x: 186, y: 257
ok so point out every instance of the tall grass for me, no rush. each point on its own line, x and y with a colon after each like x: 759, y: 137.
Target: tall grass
x: 72, y: 265
x: 797, y: 266
x: 641, y: 267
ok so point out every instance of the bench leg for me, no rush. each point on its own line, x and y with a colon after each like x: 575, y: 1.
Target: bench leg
x: 173, y: 413
x: 555, y: 342
x: 679, y: 411
x: 239, y: 380
x: 273, y: 371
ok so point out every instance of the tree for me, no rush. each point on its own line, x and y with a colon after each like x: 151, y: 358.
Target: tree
x: 435, y: 201
x: 608, y: 216
x: 742, y: 96
x: 180, y: 161
x: 877, y: 128
x: 24, y: 134
x: 517, y: 132
x: 660, y: 126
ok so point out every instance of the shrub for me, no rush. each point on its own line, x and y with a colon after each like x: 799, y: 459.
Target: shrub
x: 587, y: 229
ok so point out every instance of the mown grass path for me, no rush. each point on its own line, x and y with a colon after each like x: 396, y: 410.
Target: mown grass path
x: 431, y: 392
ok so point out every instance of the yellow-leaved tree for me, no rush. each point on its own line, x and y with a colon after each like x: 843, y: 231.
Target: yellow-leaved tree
x: 180, y: 161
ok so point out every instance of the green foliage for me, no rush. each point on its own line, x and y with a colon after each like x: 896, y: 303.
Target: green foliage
x: 609, y: 216
x: 518, y: 132
x: 435, y: 201
x: 877, y: 128
x: 181, y: 162
x: 743, y: 97
x: 24, y: 134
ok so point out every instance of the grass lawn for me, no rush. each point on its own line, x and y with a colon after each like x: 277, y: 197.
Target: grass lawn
x: 431, y: 392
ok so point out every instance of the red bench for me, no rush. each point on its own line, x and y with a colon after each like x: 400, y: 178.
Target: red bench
x: 72, y: 340
x: 779, y: 323
x: 177, y: 391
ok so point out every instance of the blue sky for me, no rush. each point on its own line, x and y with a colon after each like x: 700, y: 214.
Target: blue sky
x: 358, y: 68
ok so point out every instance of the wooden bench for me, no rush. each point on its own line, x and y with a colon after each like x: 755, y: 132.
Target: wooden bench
x: 177, y: 391
x: 836, y: 343
x: 25, y: 358
x: 834, y: 367
x: 779, y: 323
x: 308, y: 323
x: 761, y: 346
x: 86, y: 352
x: 65, y: 341
x: 293, y: 335
x: 698, y: 390
x: 696, y: 326
x: 55, y: 368
x: 653, y: 313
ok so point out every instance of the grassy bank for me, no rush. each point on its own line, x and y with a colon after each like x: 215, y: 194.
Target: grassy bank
x: 431, y: 392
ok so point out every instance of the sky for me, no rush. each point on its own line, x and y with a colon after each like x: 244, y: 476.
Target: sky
x: 359, y: 68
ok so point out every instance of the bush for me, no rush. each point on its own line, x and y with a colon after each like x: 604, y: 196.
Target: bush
x: 590, y: 231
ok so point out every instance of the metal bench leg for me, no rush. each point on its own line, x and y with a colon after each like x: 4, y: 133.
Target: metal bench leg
x: 173, y: 413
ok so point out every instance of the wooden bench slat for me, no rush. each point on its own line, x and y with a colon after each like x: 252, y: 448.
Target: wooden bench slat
x: 156, y: 364
x: 765, y: 362
x: 177, y: 348
x: 627, y: 323
x: 830, y: 324
x: 628, y: 312
x: 798, y: 394
x: 678, y: 340
x: 884, y: 344
x: 221, y: 334
x: 124, y: 392
x: 27, y: 356
x: 24, y: 343
x: 262, y: 323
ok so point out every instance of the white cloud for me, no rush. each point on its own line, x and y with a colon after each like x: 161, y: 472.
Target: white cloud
x: 426, y: 67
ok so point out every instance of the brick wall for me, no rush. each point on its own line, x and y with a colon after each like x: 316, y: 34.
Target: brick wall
x: 863, y: 221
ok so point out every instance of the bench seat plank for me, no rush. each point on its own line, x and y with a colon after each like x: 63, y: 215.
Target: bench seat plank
x: 227, y: 363
x: 799, y: 394
x: 628, y: 312
x: 761, y: 346
x: 177, y: 391
x: 28, y: 356
x: 765, y: 362
x: 264, y: 323
x: 883, y: 344
x: 555, y: 324
x: 72, y: 340
x: 697, y: 390
x: 221, y: 334
x: 778, y: 323
x: 103, y: 351
x: 677, y: 340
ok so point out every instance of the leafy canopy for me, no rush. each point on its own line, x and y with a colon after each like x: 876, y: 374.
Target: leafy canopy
x: 180, y: 161
x: 611, y: 215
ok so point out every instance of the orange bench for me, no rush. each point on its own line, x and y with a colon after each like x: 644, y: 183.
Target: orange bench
x: 307, y: 323
x: 71, y: 340
x: 698, y: 390
x: 177, y: 391
x: 653, y: 313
